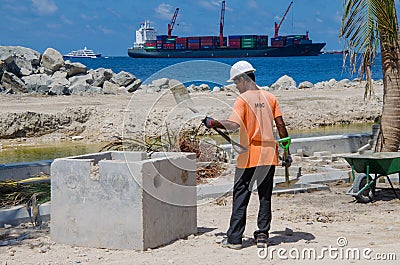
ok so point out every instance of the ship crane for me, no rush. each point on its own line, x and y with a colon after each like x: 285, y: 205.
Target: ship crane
x: 283, y: 18
x: 221, y: 25
x: 171, y: 25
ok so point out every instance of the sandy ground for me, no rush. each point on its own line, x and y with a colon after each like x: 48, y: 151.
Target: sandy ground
x: 324, y: 219
x: 132, y: 115
x: 328, y: 222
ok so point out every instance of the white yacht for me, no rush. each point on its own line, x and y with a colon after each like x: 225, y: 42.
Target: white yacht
x: 85, y: 53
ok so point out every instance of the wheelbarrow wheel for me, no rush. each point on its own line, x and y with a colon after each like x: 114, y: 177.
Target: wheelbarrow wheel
x: 360, y: 182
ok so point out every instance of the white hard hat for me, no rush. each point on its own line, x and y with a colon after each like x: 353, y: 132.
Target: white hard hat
x: 239, y: 68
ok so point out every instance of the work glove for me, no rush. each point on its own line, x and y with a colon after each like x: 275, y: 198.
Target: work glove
x: 288, y: 161
x: 208, y: 122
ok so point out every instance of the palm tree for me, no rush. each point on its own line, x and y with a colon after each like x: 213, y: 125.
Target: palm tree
x: 368, y: 25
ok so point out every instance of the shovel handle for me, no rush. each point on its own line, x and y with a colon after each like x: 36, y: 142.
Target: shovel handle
x: 229, y: 139
x: 286, y: 140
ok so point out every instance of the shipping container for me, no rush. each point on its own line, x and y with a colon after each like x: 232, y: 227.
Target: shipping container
x: 193, y: 46
x: 168, y: 46
x: 277, y: 43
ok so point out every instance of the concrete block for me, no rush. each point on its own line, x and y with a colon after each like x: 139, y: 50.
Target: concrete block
x: 322, y: 153
x: 124, y: 202
x: 335, y: 144
x: 24, y: 170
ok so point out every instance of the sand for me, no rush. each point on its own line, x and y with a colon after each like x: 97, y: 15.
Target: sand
x: 318, y: 220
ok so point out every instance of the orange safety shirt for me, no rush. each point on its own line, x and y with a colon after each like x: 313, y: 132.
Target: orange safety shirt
x: 255, y: 112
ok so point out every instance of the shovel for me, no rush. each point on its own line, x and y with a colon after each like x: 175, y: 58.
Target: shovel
x: 284, y: 143
x: 181, y: 95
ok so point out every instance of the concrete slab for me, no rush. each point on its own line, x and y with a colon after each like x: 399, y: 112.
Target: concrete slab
x: 17, y: 215
x: 24, y: 170
x: 325, y: 177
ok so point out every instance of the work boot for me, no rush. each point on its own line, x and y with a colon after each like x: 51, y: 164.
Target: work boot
x: 262, y: 240
x: 226, y: 244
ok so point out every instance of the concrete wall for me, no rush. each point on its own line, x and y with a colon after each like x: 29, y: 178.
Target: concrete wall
x: 125, y: 202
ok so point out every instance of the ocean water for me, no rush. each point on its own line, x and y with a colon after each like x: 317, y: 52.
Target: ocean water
x: 216, y: 71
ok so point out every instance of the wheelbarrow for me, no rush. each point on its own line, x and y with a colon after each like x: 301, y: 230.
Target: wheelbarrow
x: 371, y: 167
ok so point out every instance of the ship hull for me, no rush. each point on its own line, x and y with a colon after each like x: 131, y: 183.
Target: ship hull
x: 312, y: 49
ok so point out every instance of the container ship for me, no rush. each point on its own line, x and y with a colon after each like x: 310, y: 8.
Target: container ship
x: 150, y: 45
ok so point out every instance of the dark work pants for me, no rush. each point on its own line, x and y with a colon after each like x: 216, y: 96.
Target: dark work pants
x: 244, y: 180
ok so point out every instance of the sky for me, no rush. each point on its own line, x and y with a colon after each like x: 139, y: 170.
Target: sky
x: 108, y: 26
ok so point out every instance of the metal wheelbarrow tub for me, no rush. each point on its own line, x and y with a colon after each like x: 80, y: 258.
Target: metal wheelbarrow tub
x: 380, y: 164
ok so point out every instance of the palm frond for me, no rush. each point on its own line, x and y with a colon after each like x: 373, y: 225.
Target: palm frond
x: 366, y: 25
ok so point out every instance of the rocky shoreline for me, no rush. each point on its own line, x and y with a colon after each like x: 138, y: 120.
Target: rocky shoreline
x: 45, y: 97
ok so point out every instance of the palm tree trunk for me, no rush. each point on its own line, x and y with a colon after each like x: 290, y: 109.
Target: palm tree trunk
x: 389, y: 139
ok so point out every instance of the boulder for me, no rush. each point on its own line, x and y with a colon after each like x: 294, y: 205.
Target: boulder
x: 84, y: 88
x: 82, y: 80
x: 73, y: 69
x: 216, y: 89
x: 10, y: 66
x: 305, y: 84
x: 123, y: 79
x: 100, y: 76
x: 204, y: 87
x: 162, y: 83
x: 134, y: 86
x: 57, y: 90
x: 59, y: 84
x: 26, y: 59
x: 332, y: 82
x: 11, y: 81
x: 52, y: 60
x: 284, y: 82
x: 110, y: 88
x: 37, y: 83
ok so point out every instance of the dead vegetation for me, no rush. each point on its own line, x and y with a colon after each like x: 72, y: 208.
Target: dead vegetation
x: 184, y: 141
x: 13, y: 193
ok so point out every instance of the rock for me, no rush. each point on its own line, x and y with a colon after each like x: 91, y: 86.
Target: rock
x: 204, y: 87
x: 191, y: 88
x: 56, y: 90
x: 285, y: 82
x: 216, y: 89
x: 100, y: 76
x: 134, y: 86
x: 323, y: 219
x: 84, y: 88
x: 59, y: 84
x: 26, y: 59
x: 345, y: 82
x: 162, y: 83
x: 123, y: 78
x: 73, y: 69
x: 150, y: 90
x: 305, y: 84
x: 37, y: 83
x: 52, y: 60
x: 11, y: 81
x: 110, y: 88
x: 82, y: 80
x: 10, y: 66
x: 332, y: 82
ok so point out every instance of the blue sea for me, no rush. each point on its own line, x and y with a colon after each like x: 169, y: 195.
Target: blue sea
x: 216, y: 71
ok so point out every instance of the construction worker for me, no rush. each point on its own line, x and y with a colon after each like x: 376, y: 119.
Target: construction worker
x: 254, y: 113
